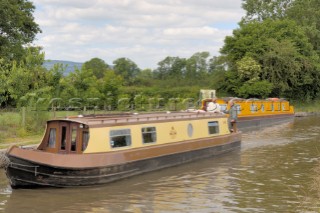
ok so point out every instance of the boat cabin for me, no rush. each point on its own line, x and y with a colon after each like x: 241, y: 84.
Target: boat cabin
x: 96, y: 134
x: 63, y: 136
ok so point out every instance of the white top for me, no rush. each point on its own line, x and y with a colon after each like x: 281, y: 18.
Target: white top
x: 213, y: 107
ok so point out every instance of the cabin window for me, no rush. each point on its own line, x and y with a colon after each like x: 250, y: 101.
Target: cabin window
x: 262, y: 108
x: 74, y: 139
x: 253, y: 108
x: 190, y: 130
x: 238, y: 107
x: 149, y: 135
x: 283, y: 107
x: 120, y: 138
x: 213, y: 127
x: 52, y: 138
x: 85, y: 140
x: 63, y: 138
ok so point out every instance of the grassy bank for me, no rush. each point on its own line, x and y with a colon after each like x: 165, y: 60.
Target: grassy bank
x: 307, y: 107
x: 19, y: 128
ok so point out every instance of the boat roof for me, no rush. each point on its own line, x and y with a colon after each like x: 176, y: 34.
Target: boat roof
x: 126, y: 118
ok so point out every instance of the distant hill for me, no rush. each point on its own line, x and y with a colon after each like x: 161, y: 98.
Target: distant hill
x: 70, y: 65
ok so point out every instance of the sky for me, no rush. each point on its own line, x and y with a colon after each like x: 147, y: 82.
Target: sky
x: 145, y: 31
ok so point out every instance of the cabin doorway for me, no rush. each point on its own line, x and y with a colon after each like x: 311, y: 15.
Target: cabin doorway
x: 68, y: 137
x: 65, y: 137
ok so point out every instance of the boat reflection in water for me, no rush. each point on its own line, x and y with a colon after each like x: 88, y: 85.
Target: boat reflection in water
x: 196, y: 186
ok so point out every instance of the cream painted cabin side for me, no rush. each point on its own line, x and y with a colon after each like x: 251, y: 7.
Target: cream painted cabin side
x: 166, y: 132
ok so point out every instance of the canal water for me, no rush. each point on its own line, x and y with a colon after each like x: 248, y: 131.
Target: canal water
x: 271, y: 172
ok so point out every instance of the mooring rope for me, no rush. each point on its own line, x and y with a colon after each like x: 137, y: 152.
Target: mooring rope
x: 4, y: 160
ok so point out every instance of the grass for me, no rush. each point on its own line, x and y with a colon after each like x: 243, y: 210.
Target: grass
x: 20, y: 141
x: 311, y: 201
x: 13, y: 132
x: 307, y: 107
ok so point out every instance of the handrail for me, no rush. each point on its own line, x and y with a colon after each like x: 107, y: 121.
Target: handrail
x: 142, y: 117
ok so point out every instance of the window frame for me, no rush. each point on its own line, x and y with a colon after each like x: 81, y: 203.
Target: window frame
x: 53, y: 139
x: 216, y: 127
x: 126, y: 134
x: 153, y: 134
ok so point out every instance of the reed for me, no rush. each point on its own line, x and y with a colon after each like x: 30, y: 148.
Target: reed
x: 311, y: 201
x: 309, y: 107
x: 10, y: 123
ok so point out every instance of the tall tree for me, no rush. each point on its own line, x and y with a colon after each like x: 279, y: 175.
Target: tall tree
x: 171, y: 67
x: 109, y: 87
x: 197, y: 65
x: 127, y: 69
x: 283, y: 51
x: 98, y: 67
x: 28, y: 76
x: 306, y: 13
x: 265, y: 9
x: 17, y: 28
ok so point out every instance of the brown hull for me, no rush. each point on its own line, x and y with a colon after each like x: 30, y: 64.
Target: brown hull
x: 31, y: 168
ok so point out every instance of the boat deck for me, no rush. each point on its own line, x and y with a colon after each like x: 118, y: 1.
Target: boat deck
x: 137, y: 117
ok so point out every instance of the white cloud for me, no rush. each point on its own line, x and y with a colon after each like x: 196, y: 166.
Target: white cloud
x: 146, y: 31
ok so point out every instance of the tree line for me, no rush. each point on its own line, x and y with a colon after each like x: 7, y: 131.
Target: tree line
x: 273, y: 53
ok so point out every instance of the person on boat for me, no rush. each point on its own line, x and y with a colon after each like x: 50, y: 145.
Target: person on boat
x: 213, y: 106
x: 233, y: 116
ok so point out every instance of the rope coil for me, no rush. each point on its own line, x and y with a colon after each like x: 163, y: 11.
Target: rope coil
x: 4, y: 160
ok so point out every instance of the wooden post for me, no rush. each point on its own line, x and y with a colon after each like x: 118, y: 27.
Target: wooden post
x: 23, y: 122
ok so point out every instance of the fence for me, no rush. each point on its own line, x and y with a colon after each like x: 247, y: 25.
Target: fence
x: 25, y: 120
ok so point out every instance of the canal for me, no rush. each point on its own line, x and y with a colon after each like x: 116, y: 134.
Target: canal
x: 271, y: 173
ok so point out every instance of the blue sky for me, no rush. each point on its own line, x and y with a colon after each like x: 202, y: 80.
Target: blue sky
x: 145, y: 31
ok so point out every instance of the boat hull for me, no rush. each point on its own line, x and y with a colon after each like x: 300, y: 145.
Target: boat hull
x: 247, y: 123
x: 27, y: 173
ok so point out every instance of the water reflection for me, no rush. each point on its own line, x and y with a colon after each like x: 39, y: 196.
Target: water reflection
x: 198, y: 186
x: 269, y: 174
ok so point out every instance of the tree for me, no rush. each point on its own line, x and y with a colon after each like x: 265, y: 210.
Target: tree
x: 98, y: 67
x: 306, y: 13
x: 81, y: 85
x: 145, y: 78
x: 17, y: 28
x: 282, y: 50
x: 265, y: 9
x: 248, y: 69
x: 289, y: 70
x: 109, y: 88
x: 197, y: 66
x: 171, y: 67
x: 127, y: 69
x: 28, y: 76
x: 249, y: 72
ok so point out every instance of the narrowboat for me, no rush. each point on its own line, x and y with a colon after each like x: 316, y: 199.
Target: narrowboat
x: 91, y: 150
x: 255, y: 112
